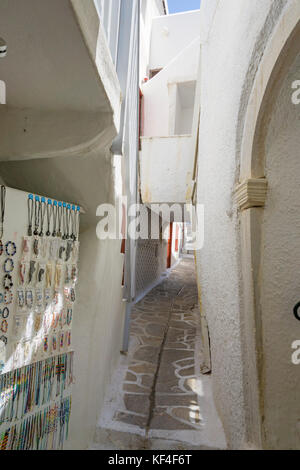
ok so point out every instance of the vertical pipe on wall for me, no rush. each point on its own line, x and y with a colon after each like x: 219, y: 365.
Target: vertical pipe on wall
x: 130, y: 255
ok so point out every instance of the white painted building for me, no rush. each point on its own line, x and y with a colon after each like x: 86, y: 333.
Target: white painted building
x: 241, y: 163
x: 101, y: 100
x: 248, y: 167
x: 69, y: 115
x: 69, y: 93
x: 166, y: 157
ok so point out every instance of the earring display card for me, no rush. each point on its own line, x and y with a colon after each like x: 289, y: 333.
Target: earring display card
x: 38, y: 275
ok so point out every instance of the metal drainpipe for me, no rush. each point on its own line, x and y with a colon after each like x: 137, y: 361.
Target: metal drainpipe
x: 130, y: 300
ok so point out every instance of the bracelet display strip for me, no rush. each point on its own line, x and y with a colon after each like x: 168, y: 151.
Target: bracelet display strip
x: 45, y: 430
x: 24, y: 390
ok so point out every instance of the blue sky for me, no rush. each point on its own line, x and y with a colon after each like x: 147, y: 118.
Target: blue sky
x: 183, y: 5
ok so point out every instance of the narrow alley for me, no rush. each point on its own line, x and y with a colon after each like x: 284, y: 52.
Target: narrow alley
x: 149, y: 226
x: 158, y: 397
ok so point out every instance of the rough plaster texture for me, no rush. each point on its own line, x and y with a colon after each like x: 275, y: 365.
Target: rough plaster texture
x: 97, y: 332
x: 54, y: 66
x: 280, y: 269
x: 226, y: 59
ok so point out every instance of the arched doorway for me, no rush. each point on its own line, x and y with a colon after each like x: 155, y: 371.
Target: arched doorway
x: 270, y: 241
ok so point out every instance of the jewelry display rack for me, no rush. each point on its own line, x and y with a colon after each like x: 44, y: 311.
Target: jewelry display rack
x: 39, y: 251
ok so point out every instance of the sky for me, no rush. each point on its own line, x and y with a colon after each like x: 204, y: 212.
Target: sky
x: 183, y: 5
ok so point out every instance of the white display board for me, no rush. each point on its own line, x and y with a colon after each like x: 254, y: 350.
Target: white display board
x: 38, y: 273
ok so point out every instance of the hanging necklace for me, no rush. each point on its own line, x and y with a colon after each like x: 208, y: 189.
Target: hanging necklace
x: 67, y: 225
x: 54, y: 214
x: 42, y: 212
x: 64, y: 220
x: 77, y: 223
x: 69, y: 214
x: 72, y: 219
x: 49, y: 211
x: 3, y: 195
x: 59, y: 216
x: 30, y: 214
x: 37, y: 209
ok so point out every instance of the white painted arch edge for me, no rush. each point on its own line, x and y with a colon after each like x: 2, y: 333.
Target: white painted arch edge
x: 283, y: 30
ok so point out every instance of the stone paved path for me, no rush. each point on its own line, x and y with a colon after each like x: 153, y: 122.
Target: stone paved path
x: 158, y: 393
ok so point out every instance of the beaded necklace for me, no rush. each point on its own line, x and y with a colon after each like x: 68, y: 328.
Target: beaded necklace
x: 37, y: 213
x: 59, y: 215
x: 42, y: 212
x: 2, y: 207
x: 30, y: 214
x: 10, y: 248
x: 49, y: 212
x: 55, y: 216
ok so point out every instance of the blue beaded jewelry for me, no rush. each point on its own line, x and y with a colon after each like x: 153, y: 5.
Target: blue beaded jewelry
x: 8, y: 265
x: 10, y: 248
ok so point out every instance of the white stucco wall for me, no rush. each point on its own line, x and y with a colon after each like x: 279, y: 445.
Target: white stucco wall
x: 159, y: 102
x: 233, y: 46
x: 166, y: 165
x: 149, y: 10
x: 97, y: 332
x: 170, y: 35
x: 280, y: 270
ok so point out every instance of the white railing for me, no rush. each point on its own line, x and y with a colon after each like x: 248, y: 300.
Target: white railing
x: 109, y: 14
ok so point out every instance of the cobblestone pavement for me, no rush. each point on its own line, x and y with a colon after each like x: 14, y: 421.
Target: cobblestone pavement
x: 159, y: 391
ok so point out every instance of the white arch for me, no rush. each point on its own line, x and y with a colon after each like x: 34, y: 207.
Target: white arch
x: 250, y: 167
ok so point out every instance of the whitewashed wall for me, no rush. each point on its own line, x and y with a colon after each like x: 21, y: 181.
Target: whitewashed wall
x: 280, y: 269
x: 235, y: 37
x: 149, y: 10
x: 159, y: 103
x: 170, y: 35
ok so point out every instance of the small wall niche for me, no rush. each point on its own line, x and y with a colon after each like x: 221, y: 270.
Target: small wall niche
x: 181, y: 108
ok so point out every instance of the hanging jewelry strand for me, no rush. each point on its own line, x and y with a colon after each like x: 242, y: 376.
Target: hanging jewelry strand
x: 42, y: 213
x: 37, y: 210
x: 77, y: 223
x: 59, y: 216
x: 54, y: 215
x: 3, y: 195
x: 73, y: 220
x: 64, y: 220
x: 49, y: 210
x: 30, y: 214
